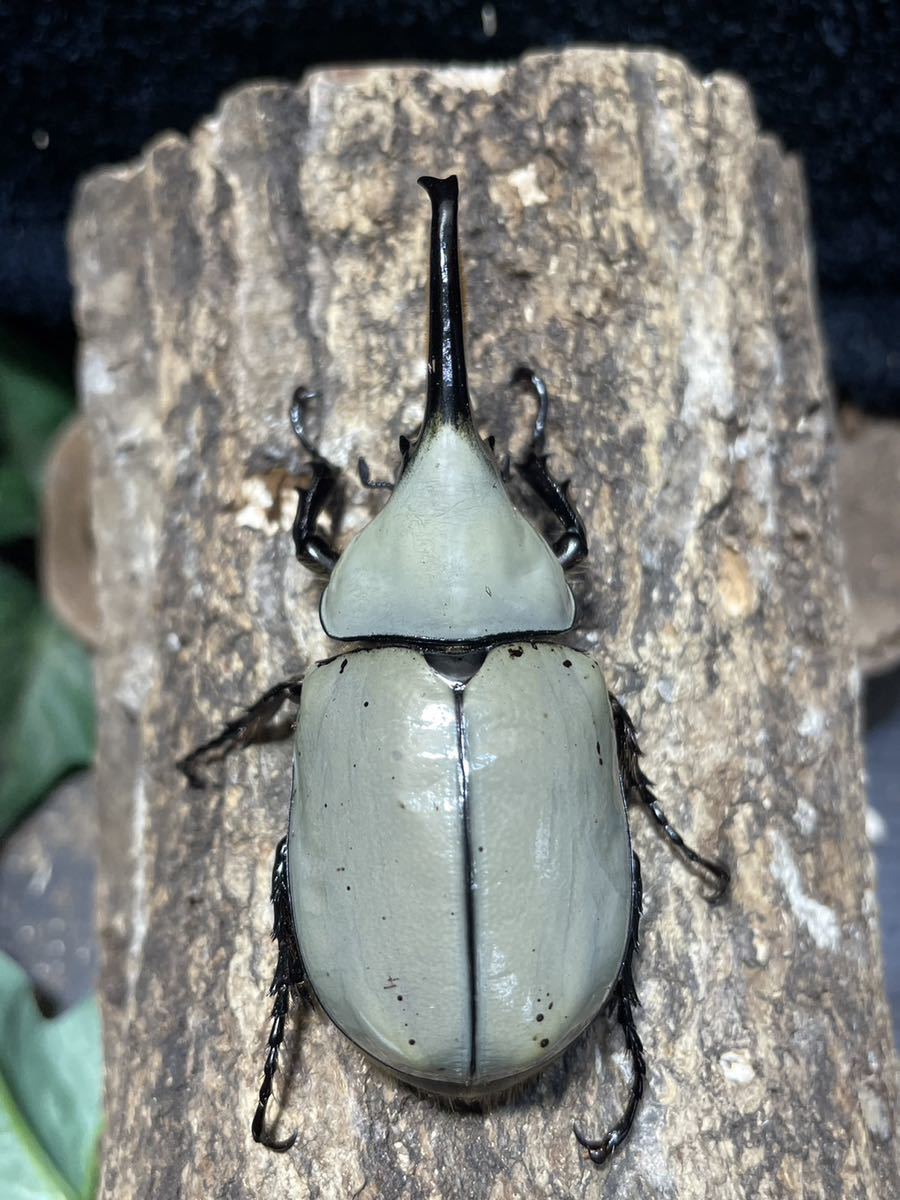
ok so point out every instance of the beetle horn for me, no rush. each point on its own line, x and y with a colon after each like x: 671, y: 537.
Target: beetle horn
x: 448, y: 392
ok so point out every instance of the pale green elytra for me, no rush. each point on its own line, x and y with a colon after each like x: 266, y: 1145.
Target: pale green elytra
x: 460, y: 862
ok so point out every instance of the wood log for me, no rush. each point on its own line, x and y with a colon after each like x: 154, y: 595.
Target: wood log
x: 628, y: 229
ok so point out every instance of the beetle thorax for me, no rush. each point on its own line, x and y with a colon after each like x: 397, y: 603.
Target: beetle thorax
x: 448, y: 559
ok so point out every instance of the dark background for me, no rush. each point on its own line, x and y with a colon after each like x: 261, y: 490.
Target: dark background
x: 92, y: 83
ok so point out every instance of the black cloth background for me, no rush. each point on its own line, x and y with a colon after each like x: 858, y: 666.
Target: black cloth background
x: 89, y: 82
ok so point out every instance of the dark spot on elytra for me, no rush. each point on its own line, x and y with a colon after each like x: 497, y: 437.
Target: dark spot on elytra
x: 348, y: 887
x: 599, y: 755
x: 545, y: 1042
x: 365, y: 704
x: 539, y: 1017
x: 567, y: 662
x: 399, y: 997
x: 412, y: 1041
x: 343, y: 664
x: 550, y: 1005
x: 516, y: 652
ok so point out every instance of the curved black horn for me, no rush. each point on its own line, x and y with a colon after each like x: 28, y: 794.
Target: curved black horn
x: 448, y: 392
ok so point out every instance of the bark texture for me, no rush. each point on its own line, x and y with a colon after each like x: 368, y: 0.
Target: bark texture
x: 626, y: 227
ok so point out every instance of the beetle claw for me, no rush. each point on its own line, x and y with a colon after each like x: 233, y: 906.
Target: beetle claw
x: 365, y: 477
x: 194, y: 780
x: 279, y: 1145
x: 522, y: 374
x: 297, y: 414
x: 723, y: 882
x: 598, y: 1149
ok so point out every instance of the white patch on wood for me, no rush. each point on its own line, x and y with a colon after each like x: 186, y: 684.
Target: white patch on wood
x: 524, y: 180
x: 96, y: 377
x: 812, y: 723
x: 805, y: 816
x: 258, y: 503
x: 817, y: 918
x: 875, y: 1113
x: 706, y: 357
x: 403, y: 1159
x: 484, y: 79
x: 737, y: 1067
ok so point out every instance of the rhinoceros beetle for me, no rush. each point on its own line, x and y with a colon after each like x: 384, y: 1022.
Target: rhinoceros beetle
x: 457, y: 889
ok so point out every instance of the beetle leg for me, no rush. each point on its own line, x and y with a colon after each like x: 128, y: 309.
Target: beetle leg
x: 635, y: 782
x: 289, y: 979
x: 253, y: 725
x: 365, y: 477
x: 572, y: 546
x: 622, y: 1001
x: 297, y: 415
x: 505, y: 463
x: 312, y: 549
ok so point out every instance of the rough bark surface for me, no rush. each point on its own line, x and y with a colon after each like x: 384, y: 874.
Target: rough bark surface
x: 626, y: 227
x: 869, y: 490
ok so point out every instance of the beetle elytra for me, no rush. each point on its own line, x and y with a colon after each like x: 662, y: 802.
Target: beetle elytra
x: 457, y: 889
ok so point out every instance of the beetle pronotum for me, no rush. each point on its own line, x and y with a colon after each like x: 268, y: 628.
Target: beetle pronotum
x: 460, y: 773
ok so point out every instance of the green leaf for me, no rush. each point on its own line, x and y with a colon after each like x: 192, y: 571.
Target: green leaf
x: 51, y: 1082
x: 46, y: 699
x: 35, y: 397
x: 19, y: 515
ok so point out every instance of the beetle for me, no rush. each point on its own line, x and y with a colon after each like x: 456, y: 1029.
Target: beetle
x: 457, y: 889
